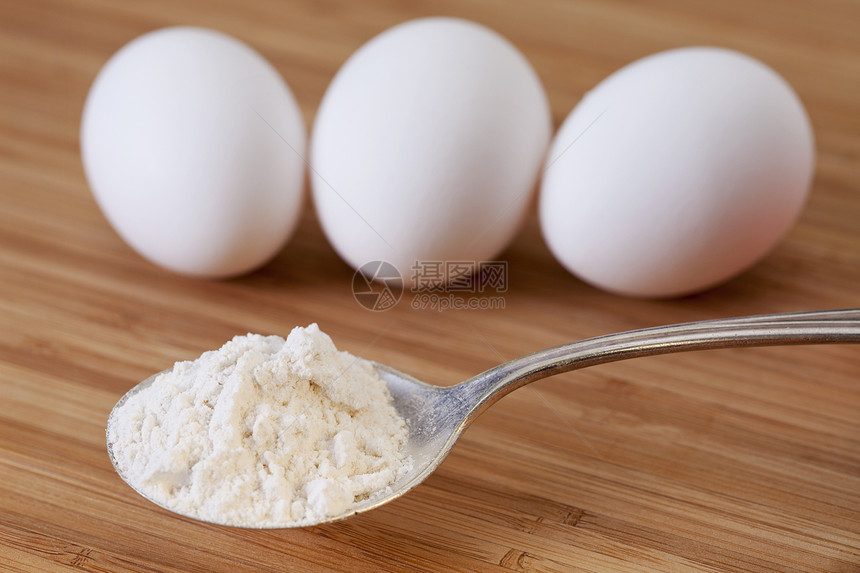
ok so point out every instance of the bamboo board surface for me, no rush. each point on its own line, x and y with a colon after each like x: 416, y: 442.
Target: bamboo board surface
x: 730, y: 460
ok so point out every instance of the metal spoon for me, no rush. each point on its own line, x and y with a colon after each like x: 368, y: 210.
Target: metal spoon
x: 436, y: 416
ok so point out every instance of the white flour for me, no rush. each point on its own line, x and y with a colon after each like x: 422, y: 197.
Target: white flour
x: 262, y: 432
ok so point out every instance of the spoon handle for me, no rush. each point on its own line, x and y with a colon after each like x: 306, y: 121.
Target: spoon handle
x: 817, y: 327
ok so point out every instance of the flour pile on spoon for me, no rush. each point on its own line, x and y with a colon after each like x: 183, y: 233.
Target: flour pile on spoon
x: 263, y: 432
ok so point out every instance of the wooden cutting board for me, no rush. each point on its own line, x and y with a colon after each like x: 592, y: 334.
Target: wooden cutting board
x: 730, y: 460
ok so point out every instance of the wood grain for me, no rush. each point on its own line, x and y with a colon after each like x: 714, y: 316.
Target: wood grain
x: 731, y: 460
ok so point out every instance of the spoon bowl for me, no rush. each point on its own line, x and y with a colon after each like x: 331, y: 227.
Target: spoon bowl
x: 435, y: 416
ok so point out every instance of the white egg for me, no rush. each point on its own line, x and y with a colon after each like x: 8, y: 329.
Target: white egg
x: 427, y: 146
x: 192, y: 145
x: 676, y: 173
